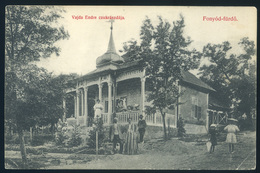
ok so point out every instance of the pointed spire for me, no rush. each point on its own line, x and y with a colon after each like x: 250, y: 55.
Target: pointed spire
x: 111, y: 44
x: 111, y: 55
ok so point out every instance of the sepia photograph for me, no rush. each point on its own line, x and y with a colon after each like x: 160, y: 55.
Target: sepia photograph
x: 130, y: 87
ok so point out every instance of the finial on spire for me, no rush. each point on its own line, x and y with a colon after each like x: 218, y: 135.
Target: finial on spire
x: 111, y: 21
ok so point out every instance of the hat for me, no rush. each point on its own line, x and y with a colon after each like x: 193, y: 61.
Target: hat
x: 115, y: 118
x: 213, y: 125
x: 141, y: 116
x: 232, y: 119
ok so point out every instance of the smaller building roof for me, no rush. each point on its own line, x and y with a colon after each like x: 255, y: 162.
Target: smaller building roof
x: 216, y: 104
x: 188, y: 77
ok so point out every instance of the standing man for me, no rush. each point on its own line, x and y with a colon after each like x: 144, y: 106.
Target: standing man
x: 98, y: 107
x: 115, y: 136
x: 141, y: 128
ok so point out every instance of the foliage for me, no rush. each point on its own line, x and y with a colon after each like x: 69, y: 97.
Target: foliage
x: 234, y: 76
x: 61, y: 135
x: 75, y: 139
x: 180, y: 126
x: 11, y: 139
x: 164, y: 53
x: 98, y: 127
x: 41, y: 139
x: 30, y: 34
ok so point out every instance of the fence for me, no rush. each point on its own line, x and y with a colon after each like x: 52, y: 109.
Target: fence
x: 123, y: 116
x: 153, y: 120
x: 157, y: 120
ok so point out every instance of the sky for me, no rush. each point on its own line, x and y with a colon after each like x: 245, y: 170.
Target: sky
x: 89, y: 37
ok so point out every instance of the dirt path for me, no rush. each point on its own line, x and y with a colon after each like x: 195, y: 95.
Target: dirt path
x: 176, y: 154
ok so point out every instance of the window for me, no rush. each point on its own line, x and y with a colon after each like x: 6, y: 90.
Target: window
x: 196, y: 108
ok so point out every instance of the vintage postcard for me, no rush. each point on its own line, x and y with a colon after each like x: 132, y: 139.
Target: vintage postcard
x: 130, y: 87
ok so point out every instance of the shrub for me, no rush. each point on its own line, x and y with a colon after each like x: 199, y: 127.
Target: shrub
x: 60, y: 138
x: 41, y: 139
x: 37, y: 140
x: 12, y: 139
x: 181, y: 129
x: 61, y: 135
x: 75, y: 139
x: 92, y: 134
x: 8, y: 139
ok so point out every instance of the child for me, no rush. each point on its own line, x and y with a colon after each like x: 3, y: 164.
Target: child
x: 213, y: 138
x: 231, y: 134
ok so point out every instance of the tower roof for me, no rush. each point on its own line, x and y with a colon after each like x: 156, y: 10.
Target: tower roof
x: 110, y: 55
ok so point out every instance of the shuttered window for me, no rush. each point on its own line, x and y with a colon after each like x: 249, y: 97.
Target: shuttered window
x: 195, y: 107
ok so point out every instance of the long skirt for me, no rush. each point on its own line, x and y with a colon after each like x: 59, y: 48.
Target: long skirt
x: 131, y: 143
x: 231, y: 138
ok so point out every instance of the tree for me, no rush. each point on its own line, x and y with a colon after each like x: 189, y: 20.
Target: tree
x: 30, y: 34
x: 163, y: 52
x: 233, y: 76
x: 53, y: 105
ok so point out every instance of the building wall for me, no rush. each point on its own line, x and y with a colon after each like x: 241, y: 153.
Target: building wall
x: 186, y: 106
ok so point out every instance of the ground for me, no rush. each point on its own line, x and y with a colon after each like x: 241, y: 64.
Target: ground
x: 190, y: 153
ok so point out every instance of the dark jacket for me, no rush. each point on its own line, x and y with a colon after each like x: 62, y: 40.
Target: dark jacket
x: 141, y: 124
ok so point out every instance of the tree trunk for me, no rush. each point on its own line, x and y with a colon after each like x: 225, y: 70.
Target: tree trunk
x: 31, y: 134
x: 169, y: 128
x: 22, y: 147
x: 164, y: 126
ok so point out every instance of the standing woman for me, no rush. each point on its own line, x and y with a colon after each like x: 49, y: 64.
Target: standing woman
x: 231, y: 133
x: 98, y: 107
x: 131, y: 138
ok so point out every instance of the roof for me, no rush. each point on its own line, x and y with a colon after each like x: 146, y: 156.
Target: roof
x: 110, y: 55
x: 192, y: 79
x: 215, y: 103
x: 110, y: 67
x: 187, y: 76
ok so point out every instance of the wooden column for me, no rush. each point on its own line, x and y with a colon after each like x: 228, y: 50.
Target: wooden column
x: 207, y: 113
x: 100, y: 86
x: 114, y: 96
x: 109, y: 102
x: 143, y: 95
x: 86, y: 106
x: 78, y: 93
x: 75, y: 105
x: 82, y: 102
x: 64, y: 109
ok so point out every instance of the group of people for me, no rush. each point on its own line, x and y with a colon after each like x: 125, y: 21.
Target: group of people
x: 231, y: 139
x: 130, y: 143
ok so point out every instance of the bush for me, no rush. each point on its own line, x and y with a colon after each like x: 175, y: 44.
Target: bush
x: 41, y: 139
x: 180, y: 126
x: 92, y: 134
x: 75, y: 139
x: 61, y: 135
x: 12, y: 139
x: 61, y: 138
x: 37, y: 140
